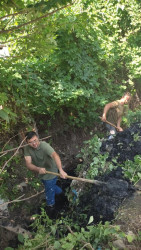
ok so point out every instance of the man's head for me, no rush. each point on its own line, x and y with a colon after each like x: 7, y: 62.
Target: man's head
x: 32, y: 139
x: 126, y: 98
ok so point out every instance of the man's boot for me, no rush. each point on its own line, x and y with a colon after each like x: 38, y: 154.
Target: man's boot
x: 60, y: 201
x: 50, y: 210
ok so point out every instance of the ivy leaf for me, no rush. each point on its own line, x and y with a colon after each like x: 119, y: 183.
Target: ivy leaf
x: 91, y: 219
x: 139, y: 175
x: 4, y: 115
x: 130, y: 238
x: 53, y: 229
x: 57, y: 245
x: 21, y: 238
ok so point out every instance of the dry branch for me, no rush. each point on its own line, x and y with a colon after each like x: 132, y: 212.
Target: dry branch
x: 17, y: 200
x: 12, y: 156
x: 12, y: 149
x: 34, y: 20
x: 17, y: 230
x: 8, y: 141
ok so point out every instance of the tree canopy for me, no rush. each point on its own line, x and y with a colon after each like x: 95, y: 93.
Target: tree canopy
x: 69, y: 57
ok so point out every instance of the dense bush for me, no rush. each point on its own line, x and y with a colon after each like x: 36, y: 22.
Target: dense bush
x: 83, y: 56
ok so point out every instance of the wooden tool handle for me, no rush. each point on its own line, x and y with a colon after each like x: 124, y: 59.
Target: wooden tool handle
x: 78, y: 178
x: 109, y: 123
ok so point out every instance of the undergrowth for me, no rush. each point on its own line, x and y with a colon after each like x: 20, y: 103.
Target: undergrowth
x: 61, y: 235
x: 132, y: 169
x: 94, y: 162
x: 67, y: 232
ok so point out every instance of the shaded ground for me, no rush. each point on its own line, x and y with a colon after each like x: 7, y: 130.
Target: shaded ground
x: 129, y: 215
x: 129, y: 219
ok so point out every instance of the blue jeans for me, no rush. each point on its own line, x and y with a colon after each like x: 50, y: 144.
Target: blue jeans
x: 50, y: 190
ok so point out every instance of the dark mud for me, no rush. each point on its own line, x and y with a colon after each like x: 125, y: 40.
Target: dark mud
x: 103, y: 201
x: 126, y: 145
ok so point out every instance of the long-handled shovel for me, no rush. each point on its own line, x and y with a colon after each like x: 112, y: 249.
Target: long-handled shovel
x: 110, y: 123
x: 78, y: 179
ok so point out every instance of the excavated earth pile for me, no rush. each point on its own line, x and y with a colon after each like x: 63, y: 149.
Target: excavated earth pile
x: 126, y: 145
x: 102, y: 202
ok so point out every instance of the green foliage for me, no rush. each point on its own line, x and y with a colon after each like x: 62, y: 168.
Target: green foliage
x: 68, y: 61
x: 11, y: 174
x: 74, y: 60
x: 21, y: 238
x: 132, y: 169
x: 92, y: 236
x: 95, y: 163
x: 33, y: 180
x: 134, y: 116
x: 9, y: 248
x: 45, y: 231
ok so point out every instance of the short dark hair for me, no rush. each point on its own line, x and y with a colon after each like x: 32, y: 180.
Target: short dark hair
x: 30, y: 134
x: 127, y: 93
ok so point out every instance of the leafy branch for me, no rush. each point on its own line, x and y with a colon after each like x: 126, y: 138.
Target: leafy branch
x: 34, y: 20
x: 14, y: 14
x: 86, y: 244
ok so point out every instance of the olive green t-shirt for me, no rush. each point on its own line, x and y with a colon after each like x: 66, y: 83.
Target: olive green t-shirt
x: 116, y: 112
x: 41, y: 157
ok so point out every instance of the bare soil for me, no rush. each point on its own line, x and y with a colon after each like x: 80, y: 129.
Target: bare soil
x: 129, y: 218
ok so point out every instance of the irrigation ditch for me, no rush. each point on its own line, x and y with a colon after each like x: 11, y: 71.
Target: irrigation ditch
x: 100, y: 202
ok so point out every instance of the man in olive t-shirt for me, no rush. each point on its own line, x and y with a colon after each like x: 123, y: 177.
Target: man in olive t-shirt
x: 113, y: 113
x: 39, y: 157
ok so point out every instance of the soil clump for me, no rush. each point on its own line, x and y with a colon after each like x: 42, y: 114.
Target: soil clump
x: 103, y: 201
x: 126, y: 145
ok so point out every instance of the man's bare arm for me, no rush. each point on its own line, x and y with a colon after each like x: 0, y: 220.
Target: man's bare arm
x: 118, y: 124
x: 32, y: 167
x: 106, y: 108
x: 57, y: 160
